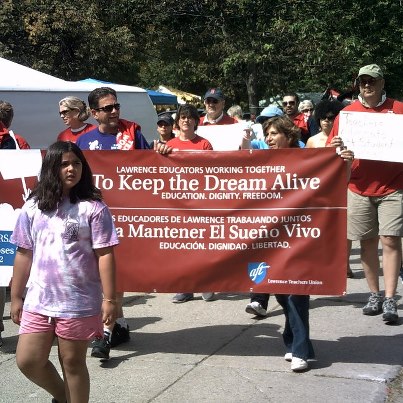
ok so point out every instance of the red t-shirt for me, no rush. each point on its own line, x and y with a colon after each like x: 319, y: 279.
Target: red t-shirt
x: 225, y: 120
x: 198, y: 143
x: 300, y: 122
x: 72, y: 135
x: 373, y: 178
x: 22, y: 143
x: 5, y: 134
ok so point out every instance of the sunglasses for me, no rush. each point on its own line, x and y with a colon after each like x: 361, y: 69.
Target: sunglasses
x: 162, y: 123
x: 108, y: 108
x: 285, y: 103
x: 64, y: 113
x: 307, y: 110
x: 330, y: 118
x: 211, y: 101
x: 370, y: 81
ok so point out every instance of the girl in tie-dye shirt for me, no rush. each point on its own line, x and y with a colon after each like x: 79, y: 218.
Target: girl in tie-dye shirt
x: 65, y: 237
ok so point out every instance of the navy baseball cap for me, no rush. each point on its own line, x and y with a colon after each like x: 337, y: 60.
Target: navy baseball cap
x: 167, y: 118
x: 215, y: 93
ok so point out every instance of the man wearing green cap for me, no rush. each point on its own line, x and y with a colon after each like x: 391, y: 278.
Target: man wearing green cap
x: 375, y: 199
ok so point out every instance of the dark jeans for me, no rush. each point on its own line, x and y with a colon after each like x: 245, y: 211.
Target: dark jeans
x: 263, y: 299
x: 296, y: 329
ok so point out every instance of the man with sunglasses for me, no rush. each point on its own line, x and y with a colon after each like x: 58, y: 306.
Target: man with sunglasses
x: 112, y: 133
x: 375, y: 198
x: 214, y: 102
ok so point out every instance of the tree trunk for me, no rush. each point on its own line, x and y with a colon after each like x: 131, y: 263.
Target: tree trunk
x: 251, y: 87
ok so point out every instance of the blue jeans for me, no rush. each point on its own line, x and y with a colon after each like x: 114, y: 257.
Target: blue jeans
x: 296, y: 329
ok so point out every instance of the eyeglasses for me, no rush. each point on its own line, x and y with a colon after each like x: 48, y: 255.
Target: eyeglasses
x: 108, y: 108
x: 64, y: 112
x: 370, y: 81
x: 291, y: 103
x: 211, y: 101
x: 184, y: 117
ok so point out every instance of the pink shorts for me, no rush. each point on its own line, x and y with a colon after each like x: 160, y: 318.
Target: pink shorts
x: 86, y: 328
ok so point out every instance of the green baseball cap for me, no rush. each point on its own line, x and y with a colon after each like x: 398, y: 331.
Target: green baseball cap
x: 372, y: 70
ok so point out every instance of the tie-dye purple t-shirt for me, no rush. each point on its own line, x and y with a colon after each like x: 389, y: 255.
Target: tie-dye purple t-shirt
x: 64, y: 280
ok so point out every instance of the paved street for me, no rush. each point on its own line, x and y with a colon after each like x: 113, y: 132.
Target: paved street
x: 215, y: 352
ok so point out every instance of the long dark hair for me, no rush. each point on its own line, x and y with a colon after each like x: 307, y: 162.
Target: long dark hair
x: 48, y: 192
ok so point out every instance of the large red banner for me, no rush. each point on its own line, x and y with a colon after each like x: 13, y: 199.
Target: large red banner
x: 236, y: 221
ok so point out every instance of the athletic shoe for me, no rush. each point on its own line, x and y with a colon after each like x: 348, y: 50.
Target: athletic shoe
x: 374, y: 305
x: 208, y: 296
x: 254, y: 308
x: 298, y: 364
x: 120, y: 335
x: 389, y: 308
x: 288, y: 357
x: 182, y: 297
x: 350, y: 273
x: 101, y: 348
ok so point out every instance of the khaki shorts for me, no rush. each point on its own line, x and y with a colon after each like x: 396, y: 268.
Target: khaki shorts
x: 370, y: 216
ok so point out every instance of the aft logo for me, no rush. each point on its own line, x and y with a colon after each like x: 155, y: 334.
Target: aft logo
x: 257, y: 271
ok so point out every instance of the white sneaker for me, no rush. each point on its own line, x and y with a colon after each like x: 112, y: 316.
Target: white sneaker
x: 288, y: 357
x: 254, y: 308
x: 298, y: 364
x: 208, y: 296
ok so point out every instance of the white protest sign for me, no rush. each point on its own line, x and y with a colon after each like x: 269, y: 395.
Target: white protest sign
x: 373, y: 136
x: 14, y: 164
x: 20, y: 163
x: 223, y: 137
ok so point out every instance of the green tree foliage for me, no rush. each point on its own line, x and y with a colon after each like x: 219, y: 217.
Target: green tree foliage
x: 252, y: 49
x: 66, y: 39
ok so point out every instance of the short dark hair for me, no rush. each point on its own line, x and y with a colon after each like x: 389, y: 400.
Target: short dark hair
x: 326, y: 107
x: 6, y: 113
x: 292, y: 94
x: 95, y: 95
x: 189, y: 111
x: 48, y: 192
x: 284, y: 125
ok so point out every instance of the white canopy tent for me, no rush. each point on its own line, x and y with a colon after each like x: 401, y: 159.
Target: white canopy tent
x: 35, y: 96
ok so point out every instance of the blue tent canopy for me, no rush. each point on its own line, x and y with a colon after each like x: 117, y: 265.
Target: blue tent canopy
x: 157, y: 98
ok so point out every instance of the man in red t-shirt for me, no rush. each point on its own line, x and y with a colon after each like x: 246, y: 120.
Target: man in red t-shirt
x: 375, y: 198
x: 214, y: 101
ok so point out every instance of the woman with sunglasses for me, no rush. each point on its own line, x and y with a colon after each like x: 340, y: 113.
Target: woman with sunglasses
x: 74, y: 112
x: 165, y: 125
x: 306, y: 108
x: 325, y: 113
